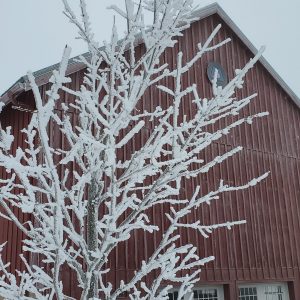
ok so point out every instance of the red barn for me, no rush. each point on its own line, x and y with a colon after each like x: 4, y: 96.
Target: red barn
x: 259, y: 260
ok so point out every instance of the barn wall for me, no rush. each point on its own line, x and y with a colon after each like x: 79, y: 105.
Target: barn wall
x: 9, y: 232
x: 267, y: 248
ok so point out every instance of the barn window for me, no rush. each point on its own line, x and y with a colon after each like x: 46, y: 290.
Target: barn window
x: 269, y: 291
x: 206, y: 293
x: 222, y: 78
x: 248, y: 293
x: 202, y: 293
x: 173, y: 295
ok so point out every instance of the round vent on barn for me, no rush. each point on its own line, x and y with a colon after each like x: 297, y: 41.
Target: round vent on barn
x: 222, y: 76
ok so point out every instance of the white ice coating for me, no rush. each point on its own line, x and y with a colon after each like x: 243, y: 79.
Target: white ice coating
x: 54, y: 191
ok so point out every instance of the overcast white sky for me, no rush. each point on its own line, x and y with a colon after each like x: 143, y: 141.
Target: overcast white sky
x: 33, y: 33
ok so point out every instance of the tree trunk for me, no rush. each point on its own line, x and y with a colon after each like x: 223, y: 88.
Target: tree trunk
x: 92, y: 217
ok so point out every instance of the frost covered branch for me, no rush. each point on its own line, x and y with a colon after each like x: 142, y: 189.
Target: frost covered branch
x: 83, y: 197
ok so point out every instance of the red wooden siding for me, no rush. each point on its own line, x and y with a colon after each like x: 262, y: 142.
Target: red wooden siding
x: 268, y: 246
x: 9, y: 232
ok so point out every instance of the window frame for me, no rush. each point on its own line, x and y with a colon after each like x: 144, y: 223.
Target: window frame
x: 260, y: 287
x: 219, y: 288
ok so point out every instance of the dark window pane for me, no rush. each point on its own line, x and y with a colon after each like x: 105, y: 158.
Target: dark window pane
x: 170, y: 295
x: 175, y: 295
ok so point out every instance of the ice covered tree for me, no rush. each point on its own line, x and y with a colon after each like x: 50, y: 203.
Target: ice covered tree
x: 83, y: 199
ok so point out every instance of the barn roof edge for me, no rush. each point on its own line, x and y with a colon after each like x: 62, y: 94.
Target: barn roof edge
x: 42, y: 76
